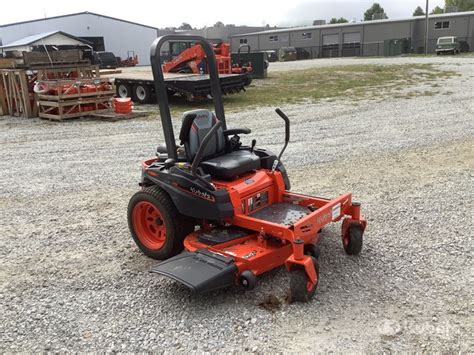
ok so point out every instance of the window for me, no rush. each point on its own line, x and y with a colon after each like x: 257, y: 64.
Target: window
x: 273, y: 38
x: 243, y: 41
x: 307, y: 35
x: 441, y: 24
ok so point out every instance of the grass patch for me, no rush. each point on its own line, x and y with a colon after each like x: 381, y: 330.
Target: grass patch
x: 310, y: 85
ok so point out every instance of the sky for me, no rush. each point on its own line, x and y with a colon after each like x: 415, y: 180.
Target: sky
x: 205, y: 13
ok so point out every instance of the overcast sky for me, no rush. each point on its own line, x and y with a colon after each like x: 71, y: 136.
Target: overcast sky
x: 205, y: 13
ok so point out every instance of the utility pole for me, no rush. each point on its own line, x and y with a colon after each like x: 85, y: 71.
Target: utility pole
x: 426, y: 28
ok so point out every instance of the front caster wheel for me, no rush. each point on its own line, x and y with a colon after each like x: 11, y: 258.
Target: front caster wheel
x: 248, y: 280
x: 352, y: 241
x: 301, y: 289
x: 156, y: 226
x: 312, y: 250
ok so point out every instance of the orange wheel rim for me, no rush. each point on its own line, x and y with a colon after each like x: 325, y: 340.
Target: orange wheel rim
x: 149, y: 225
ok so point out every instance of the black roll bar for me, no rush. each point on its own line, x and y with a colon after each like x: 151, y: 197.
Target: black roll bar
x: 161, y: 91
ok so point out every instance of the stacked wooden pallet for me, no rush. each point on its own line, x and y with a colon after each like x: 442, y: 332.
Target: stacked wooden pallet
x: 16, y: 93
x: 64, y: 99
x: 18, y: 76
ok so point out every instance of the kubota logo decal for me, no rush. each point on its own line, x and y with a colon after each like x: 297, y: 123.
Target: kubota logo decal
x: 203, y: 194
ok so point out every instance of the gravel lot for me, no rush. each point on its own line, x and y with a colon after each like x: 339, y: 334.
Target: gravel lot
x: 72, y: 279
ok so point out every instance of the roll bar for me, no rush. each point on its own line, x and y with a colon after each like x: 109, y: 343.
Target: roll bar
x: 162, y: 93
x: 240, y: 49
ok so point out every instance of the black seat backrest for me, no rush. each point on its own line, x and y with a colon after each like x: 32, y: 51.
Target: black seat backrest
x: 195, y: 125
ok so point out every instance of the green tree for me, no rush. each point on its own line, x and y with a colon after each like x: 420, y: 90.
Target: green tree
x: 462, y: 5
x: 375, y: 12
x: 338, y: 20
x: 418, y: 11
x: 185, y: 26
x: 437, y: 10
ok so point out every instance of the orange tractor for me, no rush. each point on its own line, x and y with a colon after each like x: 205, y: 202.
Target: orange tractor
x: 131, y: 61
x: 193, y: 60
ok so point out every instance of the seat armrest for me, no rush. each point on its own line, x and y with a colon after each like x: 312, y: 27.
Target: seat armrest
x: 232, y: 131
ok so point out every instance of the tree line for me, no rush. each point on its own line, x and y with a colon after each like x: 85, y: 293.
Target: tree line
x: 377, y: 12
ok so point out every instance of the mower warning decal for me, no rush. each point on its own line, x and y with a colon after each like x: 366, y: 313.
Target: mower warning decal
x: 336, y: 211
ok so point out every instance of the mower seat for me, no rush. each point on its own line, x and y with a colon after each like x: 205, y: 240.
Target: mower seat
x: 230, y: 165
x: 216, y: 162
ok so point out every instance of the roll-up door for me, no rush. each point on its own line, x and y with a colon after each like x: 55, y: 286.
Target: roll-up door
x: 351, y: 44
x: 330, y: 46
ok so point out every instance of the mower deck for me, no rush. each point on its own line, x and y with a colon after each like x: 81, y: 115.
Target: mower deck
x: 214, y: 254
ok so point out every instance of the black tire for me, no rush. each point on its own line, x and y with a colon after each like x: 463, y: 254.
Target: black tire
x: 353, y: 242
x: 142, y: 93
x: 177, y: 226
x: 124, y: 91
x: 248, y: 280
x: 298, y: 283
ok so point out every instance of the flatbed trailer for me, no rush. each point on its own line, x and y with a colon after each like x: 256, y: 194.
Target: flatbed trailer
x: 139, y: 85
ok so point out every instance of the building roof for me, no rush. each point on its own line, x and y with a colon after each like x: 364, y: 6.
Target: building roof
x: 25, y: 41
x: 75, y: 14
x: 348, y: 24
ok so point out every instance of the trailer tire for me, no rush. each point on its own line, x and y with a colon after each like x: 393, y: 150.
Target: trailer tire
x: 300, y: 291
x: 353, y: 241
x: 156, y: 226
x: 142, y: 93
x: 124, y: 90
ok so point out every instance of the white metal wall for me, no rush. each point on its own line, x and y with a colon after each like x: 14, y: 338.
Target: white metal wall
x: 119, y: 36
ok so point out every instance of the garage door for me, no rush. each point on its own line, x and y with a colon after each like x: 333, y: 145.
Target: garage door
x: 353, y: 37
x: 330, y: 46
x: 351, y: 44
x: 331, y: 39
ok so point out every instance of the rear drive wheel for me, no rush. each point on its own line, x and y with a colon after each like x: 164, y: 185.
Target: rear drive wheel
x: 352, y: 242
x: 124, y: 91
x: 301, y: 289
x: 157, y: 227
x: 142, y: 93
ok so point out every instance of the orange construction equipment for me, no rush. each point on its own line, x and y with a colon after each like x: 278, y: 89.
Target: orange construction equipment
x: 193, y: 60
x: 131, y: 61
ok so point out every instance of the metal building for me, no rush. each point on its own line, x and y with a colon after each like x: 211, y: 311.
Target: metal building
x: 45, y: 39
x: 370, y: 38
x: 109, y: 33
x: 105, y: 32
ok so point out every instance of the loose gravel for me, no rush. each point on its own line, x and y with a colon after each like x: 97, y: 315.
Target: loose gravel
x: 72, y: 279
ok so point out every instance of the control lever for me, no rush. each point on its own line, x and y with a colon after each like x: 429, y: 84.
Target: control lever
x: 287, y: 136
x: 254, y: 142
x: 169, y: 163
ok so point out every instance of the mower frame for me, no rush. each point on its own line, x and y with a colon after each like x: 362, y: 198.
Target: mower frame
x: 271, y: 239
